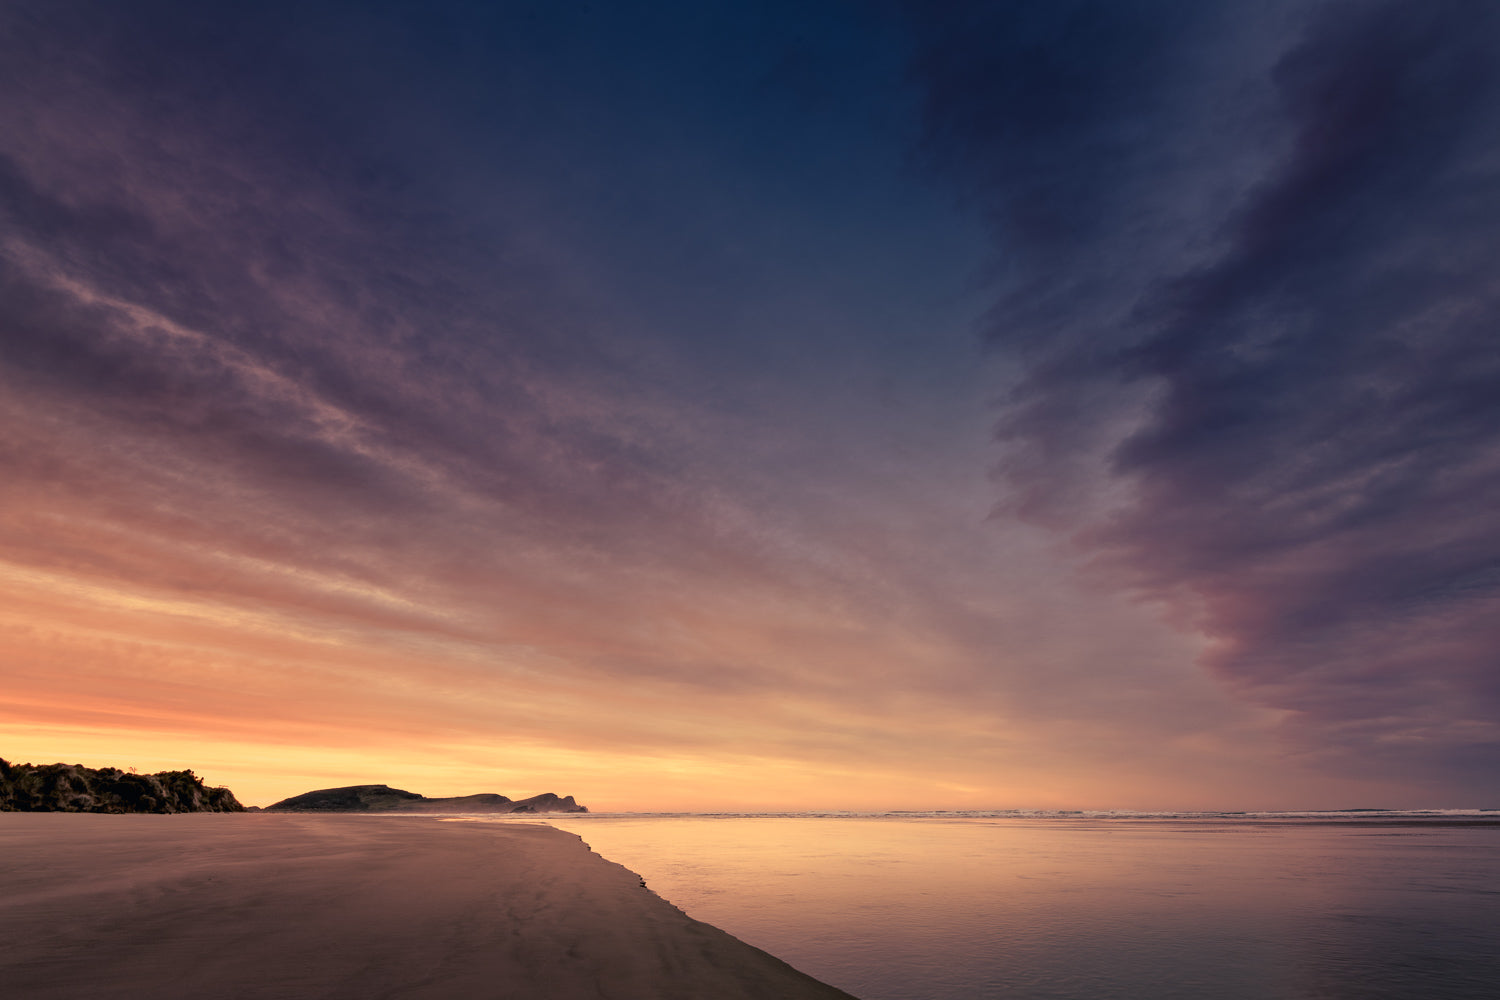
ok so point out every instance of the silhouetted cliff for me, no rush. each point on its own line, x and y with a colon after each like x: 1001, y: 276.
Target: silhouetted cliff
x: 75, y: 788
x: 383, y: 798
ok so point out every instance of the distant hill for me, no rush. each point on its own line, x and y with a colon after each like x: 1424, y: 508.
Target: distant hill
x: 383, y: 798
x: 75, y: 788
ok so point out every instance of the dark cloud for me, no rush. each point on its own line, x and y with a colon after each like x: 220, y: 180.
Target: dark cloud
x: 1297, y: 389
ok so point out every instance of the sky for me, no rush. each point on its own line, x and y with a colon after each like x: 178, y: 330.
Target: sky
x: 724, y: 405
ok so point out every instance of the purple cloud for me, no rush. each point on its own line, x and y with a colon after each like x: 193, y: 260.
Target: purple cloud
x: 1289, y: 398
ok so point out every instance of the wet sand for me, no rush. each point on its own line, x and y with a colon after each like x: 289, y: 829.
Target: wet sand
x: 358, y: 907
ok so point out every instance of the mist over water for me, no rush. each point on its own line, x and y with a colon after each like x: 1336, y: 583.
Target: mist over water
x: 1060, y: 907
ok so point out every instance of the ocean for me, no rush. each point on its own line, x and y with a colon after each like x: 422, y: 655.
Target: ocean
x: 1103, y: 906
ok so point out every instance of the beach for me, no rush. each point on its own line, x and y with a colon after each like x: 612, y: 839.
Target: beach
x: 301, y: 906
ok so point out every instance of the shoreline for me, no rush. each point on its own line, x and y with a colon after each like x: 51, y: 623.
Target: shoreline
x: 333, y: 906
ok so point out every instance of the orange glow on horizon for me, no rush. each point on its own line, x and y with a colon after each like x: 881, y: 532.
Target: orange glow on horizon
x: 272, y: 701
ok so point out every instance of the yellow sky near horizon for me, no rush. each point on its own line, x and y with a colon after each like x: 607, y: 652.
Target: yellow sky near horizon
x: 121, y: 680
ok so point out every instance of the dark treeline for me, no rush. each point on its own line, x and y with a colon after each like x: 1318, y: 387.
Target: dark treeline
x: 75, y: 788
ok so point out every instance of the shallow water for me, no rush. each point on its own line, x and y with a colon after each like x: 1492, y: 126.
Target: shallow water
x: 1107, y: 908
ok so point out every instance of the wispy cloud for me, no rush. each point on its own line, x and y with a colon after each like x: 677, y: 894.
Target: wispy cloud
x: 1247, y: 264
x: 602, y: 389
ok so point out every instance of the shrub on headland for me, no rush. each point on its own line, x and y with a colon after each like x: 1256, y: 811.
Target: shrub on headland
x: 75, y: 788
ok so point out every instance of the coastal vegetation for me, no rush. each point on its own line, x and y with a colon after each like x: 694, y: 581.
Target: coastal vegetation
x: 75, y: 788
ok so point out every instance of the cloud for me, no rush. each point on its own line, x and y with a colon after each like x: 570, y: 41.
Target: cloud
x: 1279, y: 408
x: 604, y: 393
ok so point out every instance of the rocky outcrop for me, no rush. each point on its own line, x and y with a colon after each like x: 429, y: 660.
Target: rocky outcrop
x: 383, y: 798
x: 75, y: 788
x: 547, y: 803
